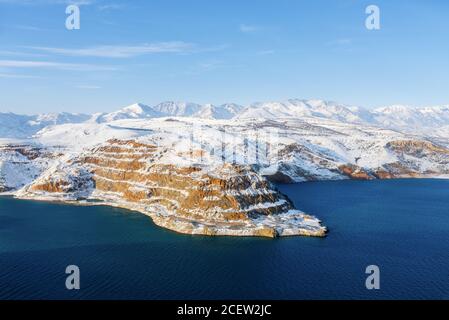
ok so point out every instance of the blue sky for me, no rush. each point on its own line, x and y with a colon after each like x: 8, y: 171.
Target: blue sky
x: 220, y: 51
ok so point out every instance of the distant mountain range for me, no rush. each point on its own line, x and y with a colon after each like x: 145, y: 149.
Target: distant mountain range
x: 427, y: 120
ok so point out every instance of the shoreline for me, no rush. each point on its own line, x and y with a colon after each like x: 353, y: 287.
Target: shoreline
x: 184, y: 225
x: 280, y: 227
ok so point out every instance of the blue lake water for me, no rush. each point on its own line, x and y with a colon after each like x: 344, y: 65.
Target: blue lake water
x: 401, y: 226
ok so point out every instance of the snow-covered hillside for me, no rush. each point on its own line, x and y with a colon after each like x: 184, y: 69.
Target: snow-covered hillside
x: 421, y: 120
x: 306, y: 108
x: 225, y: 111
x: 403, y: 118
x: 24, y: 126
x: 292, y: 149
x: 135, y: 111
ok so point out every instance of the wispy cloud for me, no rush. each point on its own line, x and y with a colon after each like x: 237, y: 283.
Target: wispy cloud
x: 110, y: 51
x: 245, y: 28
x: 210, y: 65
x: 205, y: 66
x: 20, y: 54
x: 110, y: 6
x: 265, y: 52
x: 88, y: 87
x: 28, y: 28
x: 18, y: 76
x: 80, y: 2
x: 54, y: 65
x: 48, y: 2
x: 340, y: 42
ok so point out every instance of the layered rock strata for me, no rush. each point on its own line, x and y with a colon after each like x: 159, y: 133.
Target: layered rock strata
x: 197, y: 199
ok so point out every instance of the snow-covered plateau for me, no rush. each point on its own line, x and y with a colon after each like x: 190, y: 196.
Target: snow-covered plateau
x: 205, y: 169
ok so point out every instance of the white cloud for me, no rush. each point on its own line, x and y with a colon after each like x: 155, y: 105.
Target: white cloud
x: 340, y: 42
x: 22, y: 54
x: 111, y: 6
x: 79, y: 2
x: 88, y: 87
x: 17, y: 76
x: 210, y: 65
x: 249, y: 28
x: 48, y: 2
x: 110, y: 51
x: 265, y: 52
x: 27, y: 28
x: 53, y: 65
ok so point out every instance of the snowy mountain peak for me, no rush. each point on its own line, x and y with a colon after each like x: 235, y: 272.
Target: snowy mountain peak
x: 59, y: 118
x: 395, y: 109
x: 179, y: 109
x: 225, y: 111
x: 427, y: 120
x: 134, y: 111
x: 435, y: 109
x: 137, y: 108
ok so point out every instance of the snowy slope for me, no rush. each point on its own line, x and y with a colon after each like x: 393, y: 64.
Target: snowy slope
x: 24, y: 126
x: 171, y: 109
x: 296, y: 108
x: 134, y: 111
x: 412, y: 119
x: 225, y: 111
x: 180, y: 109
x: 426, y: 120
x: 302, y: 150
x: 79, y: 136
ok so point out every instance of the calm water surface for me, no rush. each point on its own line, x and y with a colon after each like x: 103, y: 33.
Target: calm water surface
x: 402, y: 226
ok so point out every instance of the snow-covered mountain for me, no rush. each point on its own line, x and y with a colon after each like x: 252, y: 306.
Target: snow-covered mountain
x: 134, y: 111
x: 412, y: 119
x: 24, y: 126
x: 430, y: 121
x: 426, y: 120
x: 296, y: 108
x: 224, y: 111
x: 171, y: 109
x: 177, y: 109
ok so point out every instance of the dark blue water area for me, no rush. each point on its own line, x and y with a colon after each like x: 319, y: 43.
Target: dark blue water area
x: 402, y: 226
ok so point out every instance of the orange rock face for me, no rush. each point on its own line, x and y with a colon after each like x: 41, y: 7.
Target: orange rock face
x: 355, y: 172
x: 382, y: 174
x: 59, y: 186
x: 130, y: 170
x: 416, y: 148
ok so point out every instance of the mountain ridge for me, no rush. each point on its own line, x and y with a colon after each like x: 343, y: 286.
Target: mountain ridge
x: 422, y: 120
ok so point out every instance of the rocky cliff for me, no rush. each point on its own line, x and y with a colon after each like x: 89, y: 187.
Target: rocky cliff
x: 20, y: 164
